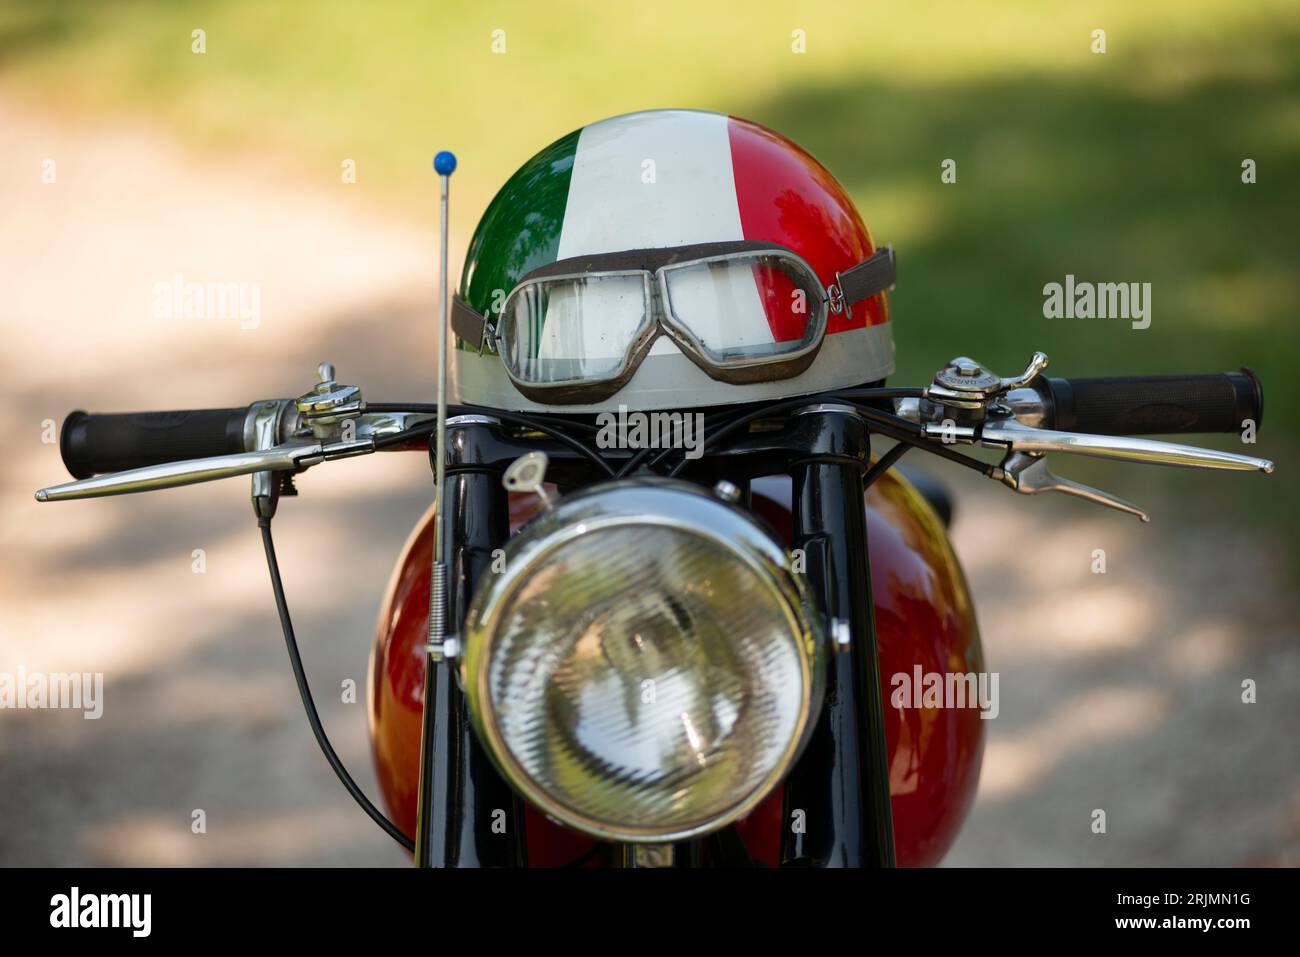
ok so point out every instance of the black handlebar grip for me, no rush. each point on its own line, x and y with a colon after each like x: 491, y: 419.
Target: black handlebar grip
x: 1148, y: 405
x: 93, y: 444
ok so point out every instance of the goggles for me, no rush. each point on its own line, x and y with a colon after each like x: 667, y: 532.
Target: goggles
x: 576, y: 330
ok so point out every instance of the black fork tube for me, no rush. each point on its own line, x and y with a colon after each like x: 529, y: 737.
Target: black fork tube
x: 467, y: 816
x: 837, y: 811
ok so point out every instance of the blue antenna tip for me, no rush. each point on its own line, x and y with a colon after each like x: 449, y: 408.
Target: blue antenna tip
x: 445, y: 163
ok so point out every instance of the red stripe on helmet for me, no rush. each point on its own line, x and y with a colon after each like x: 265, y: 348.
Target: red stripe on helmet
x: 785, y: 196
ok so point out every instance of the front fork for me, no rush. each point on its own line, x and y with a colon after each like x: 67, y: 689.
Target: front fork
x: 466, y: 814
x: 837, y: 810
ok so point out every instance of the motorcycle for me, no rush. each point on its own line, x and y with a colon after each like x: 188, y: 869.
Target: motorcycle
x: 599, y: 649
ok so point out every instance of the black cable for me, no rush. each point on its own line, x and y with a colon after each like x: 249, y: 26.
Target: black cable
x: 636, y: 461
x: 727, y: 418
x: 888, y: 421
x: 884, y: 463
x: 528, y: 422
x: 908, y: 392
x: 916, y: 437
x: 461, y: 408
x: 313, y: 718
x: 730, y: 419
x: 400, y: 438
x: 883, y: 423
x: 560, y: 436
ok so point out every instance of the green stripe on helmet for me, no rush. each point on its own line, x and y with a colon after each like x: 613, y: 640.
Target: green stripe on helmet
x: 520, y: 230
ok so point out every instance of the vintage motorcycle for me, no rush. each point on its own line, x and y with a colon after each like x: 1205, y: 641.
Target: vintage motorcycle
x: 674, y: 650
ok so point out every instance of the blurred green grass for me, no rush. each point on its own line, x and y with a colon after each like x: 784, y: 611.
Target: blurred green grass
x: 1117, y: 167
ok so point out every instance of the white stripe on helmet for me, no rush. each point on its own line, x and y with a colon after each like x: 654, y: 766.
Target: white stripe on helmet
x: 653, y: 180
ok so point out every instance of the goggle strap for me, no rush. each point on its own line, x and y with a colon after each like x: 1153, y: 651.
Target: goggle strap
x: 646, y: 260
x: 468, y: 324
x: 875, y: 274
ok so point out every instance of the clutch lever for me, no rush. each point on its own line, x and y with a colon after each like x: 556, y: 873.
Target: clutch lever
x: 316, y: 420
x: 280, y: 458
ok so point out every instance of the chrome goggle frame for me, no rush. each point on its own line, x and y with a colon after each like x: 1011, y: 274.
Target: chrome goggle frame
x: 654, y: 267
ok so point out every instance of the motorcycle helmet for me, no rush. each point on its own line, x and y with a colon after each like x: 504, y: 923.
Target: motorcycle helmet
x: 669, y: 259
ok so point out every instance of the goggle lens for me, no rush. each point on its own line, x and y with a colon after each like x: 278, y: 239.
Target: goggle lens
x: 566, y: 329
x: 745, y: 308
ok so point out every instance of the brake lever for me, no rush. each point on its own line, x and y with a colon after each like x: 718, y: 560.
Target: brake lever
x: 967, y: 403
x: 1010, y: 434
x: 1025, y: 470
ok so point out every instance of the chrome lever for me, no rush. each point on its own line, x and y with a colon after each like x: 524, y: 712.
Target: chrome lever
x: 280, y: 458
x: 1037, y: 363
x: 1023, y: 438
x: 1028, y: 474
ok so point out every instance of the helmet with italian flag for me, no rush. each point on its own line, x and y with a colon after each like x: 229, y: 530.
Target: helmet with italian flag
x: 658, y: 181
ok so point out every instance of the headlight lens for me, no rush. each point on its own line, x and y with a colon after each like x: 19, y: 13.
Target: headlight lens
x: 646, y: 667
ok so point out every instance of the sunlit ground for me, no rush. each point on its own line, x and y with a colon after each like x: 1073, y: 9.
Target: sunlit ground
x: 1122, y: 691
x: 1119, y: 691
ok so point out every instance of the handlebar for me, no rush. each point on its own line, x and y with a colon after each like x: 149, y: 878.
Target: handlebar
x: 1024, y: 417
x: 1148, y: 405
x: 94, y: 444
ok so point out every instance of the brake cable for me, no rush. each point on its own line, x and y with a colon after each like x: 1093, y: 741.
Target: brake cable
x: 885, y: 463
x: 286, y: 623
x: 304, y: 691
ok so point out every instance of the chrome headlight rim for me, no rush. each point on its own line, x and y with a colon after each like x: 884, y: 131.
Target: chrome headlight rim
x: 638, y: 503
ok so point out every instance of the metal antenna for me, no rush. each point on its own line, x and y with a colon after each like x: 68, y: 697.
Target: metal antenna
x: 444, y: 164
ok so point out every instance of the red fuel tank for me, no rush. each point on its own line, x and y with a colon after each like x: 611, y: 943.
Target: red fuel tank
x: 924, y: 618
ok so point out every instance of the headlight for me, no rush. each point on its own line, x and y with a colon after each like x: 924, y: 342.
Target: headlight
x: 646, y: 667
